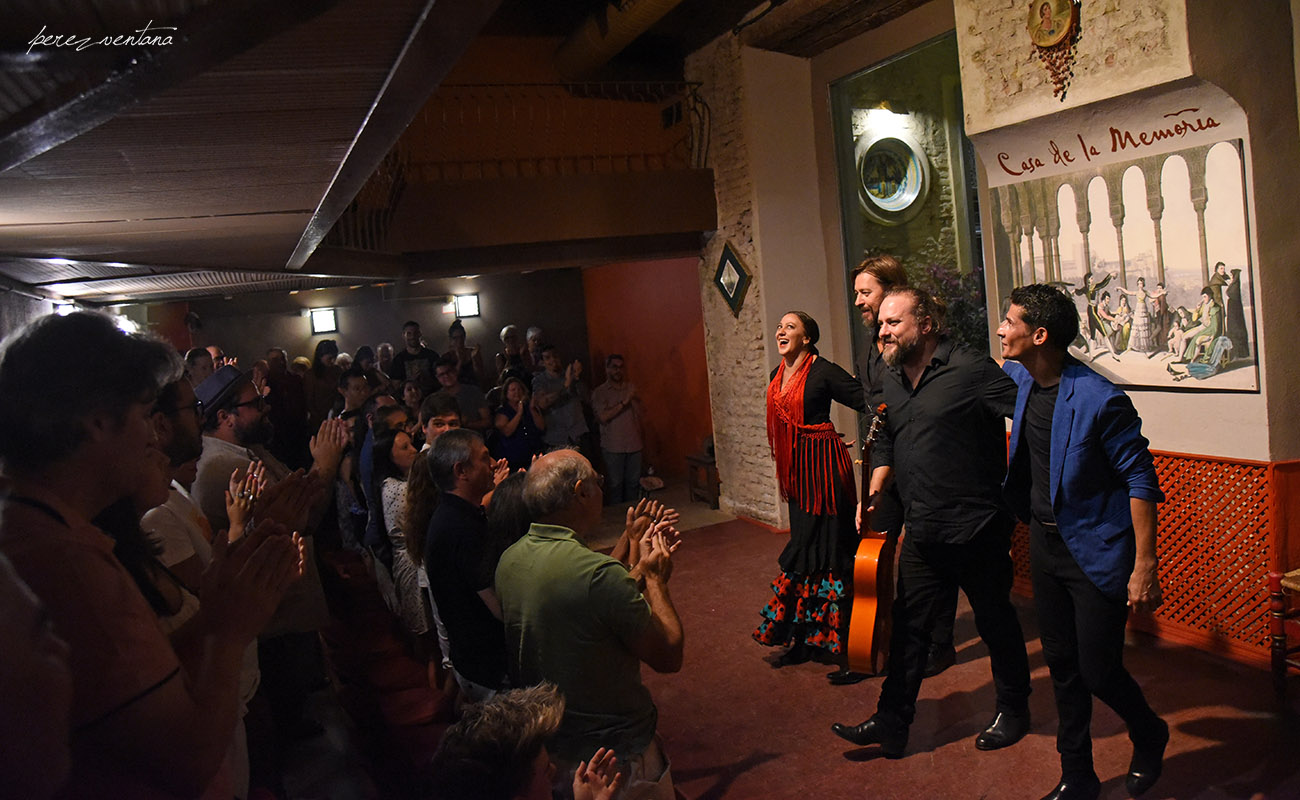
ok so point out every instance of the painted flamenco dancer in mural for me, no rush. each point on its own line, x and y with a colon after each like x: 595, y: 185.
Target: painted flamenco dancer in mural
x: 809, y: 610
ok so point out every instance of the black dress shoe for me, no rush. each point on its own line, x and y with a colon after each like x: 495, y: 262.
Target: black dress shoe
x: 846, y: 677
x: 1076, y: 789
x: 1148, y: 760
x: 940, y: 659
x: 892, y: 739
x: 1006, y: 729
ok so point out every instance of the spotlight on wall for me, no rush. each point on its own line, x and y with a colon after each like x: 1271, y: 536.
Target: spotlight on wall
x: 466, y: 305
x: 323, y: 320
x: 64, y: 309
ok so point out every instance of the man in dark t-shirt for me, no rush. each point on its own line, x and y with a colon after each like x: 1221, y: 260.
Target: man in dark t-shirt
x: 416, y: 362
x: 1083, y: 479
x: 459, y: 575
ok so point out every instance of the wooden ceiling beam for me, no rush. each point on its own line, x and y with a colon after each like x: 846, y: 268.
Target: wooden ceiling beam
x: 806, y: 28
x: 210, y: 35
x: 554, y: 255
x: 436, y: 42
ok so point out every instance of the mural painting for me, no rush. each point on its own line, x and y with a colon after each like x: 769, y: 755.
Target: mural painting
x: 1153, y: 245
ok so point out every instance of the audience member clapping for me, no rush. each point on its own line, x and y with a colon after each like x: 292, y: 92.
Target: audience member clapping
x: 454, y: 559
x: 468, y: 360
x: 513, y: 361
x: 412, y: 398
x: 536, y: 339
x: 520, y: 424
x: 76, y: 442
x: 469, y: 398
x: 580, y: 619
x: 497, y: 751
x: 421, y: 500
x: 560, y: 393
x: 321, y: 383
x: 394, y: 453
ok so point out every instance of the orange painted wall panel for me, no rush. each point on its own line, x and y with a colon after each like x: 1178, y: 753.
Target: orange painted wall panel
x: 650, y: 313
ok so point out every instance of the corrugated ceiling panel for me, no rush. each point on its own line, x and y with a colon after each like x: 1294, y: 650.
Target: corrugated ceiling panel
x: 36, y: 272
x: 192, y: 284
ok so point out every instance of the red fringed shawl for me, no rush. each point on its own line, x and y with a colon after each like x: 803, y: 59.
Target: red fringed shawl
x: 806, y: 474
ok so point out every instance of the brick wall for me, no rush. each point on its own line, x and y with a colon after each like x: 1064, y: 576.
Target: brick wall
x: 734, y: 345
x: 1125, y: 45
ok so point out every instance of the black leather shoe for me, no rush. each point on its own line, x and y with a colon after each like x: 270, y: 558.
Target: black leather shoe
x: 846, y: 677
x: 892, y: 740
x: 940, y: 659
x: 1006, y: 729
x: 1148, y: 760
x: 1076, y: 789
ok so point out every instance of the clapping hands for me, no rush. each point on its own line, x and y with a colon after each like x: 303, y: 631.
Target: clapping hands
x: 246, y: 579
x: 657, y: 547
x: 596, y: 779
x: 328, y: 444
x: 641, y: 518
x: 288, y: 502
x: 242, y: 494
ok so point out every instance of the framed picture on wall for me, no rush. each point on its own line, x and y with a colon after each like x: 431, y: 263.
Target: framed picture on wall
x: 732, y: 278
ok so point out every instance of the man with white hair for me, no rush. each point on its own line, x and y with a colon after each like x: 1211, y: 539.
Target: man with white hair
x: 584, y: 622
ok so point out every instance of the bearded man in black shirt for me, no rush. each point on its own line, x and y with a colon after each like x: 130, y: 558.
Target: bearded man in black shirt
x: 945, y: 444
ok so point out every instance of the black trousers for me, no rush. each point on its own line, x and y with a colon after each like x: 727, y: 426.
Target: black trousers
x: 928, y: 575
x: 1083, y: 643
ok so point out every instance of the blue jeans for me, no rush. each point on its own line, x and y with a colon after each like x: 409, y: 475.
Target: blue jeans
x: 624, y: 476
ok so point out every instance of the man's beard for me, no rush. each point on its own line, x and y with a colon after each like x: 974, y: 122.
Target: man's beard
x: 259, y: 432
x: 897, y: 352
x: 184, y: 449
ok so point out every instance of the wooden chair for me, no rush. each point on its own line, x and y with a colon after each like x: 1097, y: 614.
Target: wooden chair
x: 1284, y: 627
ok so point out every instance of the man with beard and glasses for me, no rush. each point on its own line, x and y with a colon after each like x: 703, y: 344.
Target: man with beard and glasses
x: 185, y: 537
x: 235, y: 431
x: 945, y: 443
x: 179, y: 525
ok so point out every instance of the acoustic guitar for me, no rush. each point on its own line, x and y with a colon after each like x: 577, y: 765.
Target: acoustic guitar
x: 873, y: 578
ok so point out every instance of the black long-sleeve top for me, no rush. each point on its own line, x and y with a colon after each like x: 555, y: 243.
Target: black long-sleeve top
x: 888, y: 516
x: 827, y: 381
x: 946, y: 440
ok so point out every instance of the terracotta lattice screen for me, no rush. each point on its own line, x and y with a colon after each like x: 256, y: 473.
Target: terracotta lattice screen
x: 1222, y: 528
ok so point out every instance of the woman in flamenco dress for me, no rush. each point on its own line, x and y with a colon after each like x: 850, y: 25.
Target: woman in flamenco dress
x: 812, y: 596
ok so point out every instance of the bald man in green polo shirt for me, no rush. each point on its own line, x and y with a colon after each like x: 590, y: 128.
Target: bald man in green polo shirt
x: 585, y: 622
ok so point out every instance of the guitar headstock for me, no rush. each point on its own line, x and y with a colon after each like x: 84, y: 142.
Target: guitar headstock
x: 877, y: 422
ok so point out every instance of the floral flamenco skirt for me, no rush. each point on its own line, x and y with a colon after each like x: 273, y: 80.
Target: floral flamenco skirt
x: 806, y: 607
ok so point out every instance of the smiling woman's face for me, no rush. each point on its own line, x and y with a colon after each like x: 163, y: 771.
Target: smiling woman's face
x: 791, y: 338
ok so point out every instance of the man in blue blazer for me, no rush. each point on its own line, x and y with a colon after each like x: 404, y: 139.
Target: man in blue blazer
x: 1081, y: 475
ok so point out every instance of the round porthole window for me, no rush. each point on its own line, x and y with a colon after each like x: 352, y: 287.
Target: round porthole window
x: 893, y: 177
